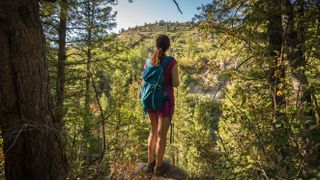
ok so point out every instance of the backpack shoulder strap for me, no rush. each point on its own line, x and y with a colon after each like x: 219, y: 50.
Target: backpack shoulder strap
x: 148, y: 63
x: 166, y: 61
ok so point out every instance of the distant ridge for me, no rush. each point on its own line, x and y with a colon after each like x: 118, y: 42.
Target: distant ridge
x: 150, y: 30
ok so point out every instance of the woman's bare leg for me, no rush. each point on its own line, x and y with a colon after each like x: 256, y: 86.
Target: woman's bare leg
x: 163, y: 126
x: 152, y: 136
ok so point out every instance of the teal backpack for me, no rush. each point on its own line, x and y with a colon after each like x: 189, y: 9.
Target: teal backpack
x: 152, y: 93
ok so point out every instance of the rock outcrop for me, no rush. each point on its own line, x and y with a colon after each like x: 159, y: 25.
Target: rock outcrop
x: 173, y: 172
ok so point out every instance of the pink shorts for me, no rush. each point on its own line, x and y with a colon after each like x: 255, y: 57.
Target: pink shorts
x: 165, y: 111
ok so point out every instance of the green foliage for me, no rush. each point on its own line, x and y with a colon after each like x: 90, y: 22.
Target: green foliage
x: 260, y: 137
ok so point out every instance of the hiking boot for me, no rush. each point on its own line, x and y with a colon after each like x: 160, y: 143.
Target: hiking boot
x: 162, y: 169
x: 149, y: 168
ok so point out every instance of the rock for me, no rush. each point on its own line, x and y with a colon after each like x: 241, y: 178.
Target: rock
x: 172, y: 174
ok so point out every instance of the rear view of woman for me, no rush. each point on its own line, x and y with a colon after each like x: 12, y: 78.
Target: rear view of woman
x: 160, y: 119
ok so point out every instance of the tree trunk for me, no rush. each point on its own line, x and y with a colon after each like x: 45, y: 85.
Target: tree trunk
x: 294, y: 40
x: 61, y: 61
x: 277, y: 80
x: 275, y: 51
x: 32, y: 144
x: 88, y: 76
x: 89, y: 55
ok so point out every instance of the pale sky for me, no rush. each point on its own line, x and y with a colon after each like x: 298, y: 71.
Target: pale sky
x: 141, y: 11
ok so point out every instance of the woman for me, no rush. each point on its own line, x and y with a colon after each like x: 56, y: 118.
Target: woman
x: 160, y: 119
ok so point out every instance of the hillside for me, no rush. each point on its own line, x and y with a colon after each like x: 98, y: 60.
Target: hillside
x: 149, y: 30
x: 190, y: 48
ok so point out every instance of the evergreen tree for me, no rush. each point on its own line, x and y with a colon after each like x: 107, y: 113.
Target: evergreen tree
x: 33, y: 144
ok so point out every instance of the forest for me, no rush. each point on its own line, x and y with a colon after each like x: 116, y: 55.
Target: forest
x: 247, y: 106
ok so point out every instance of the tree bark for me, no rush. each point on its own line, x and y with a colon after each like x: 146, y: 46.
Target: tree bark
x: 32, y: 144
x: 294, y: 41
x: 62, y: 30
x: 277, y: 80
x: 275, y: 52
x: 88, y: 76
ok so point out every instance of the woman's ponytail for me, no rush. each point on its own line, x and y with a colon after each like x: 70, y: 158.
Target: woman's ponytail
x: 159, y: 56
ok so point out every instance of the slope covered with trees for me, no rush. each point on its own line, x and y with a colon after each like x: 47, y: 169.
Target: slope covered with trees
x: 270, y: 121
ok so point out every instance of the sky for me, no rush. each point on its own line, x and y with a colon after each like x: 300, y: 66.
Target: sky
x: 150, y: 11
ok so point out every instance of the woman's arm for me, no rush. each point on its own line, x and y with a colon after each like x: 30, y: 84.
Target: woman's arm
x: 174, y: 75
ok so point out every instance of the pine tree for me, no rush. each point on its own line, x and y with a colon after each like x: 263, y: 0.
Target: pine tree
x: 33, y: 143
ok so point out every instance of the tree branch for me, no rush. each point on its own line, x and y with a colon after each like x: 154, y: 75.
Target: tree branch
x: 177, y: 6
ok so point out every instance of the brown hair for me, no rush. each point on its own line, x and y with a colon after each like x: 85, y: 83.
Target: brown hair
x: 162, y: 45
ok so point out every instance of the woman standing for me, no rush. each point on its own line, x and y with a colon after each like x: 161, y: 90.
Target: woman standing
x: 160, y: 119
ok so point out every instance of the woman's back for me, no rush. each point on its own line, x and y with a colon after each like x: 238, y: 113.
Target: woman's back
x: 168, y: 74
